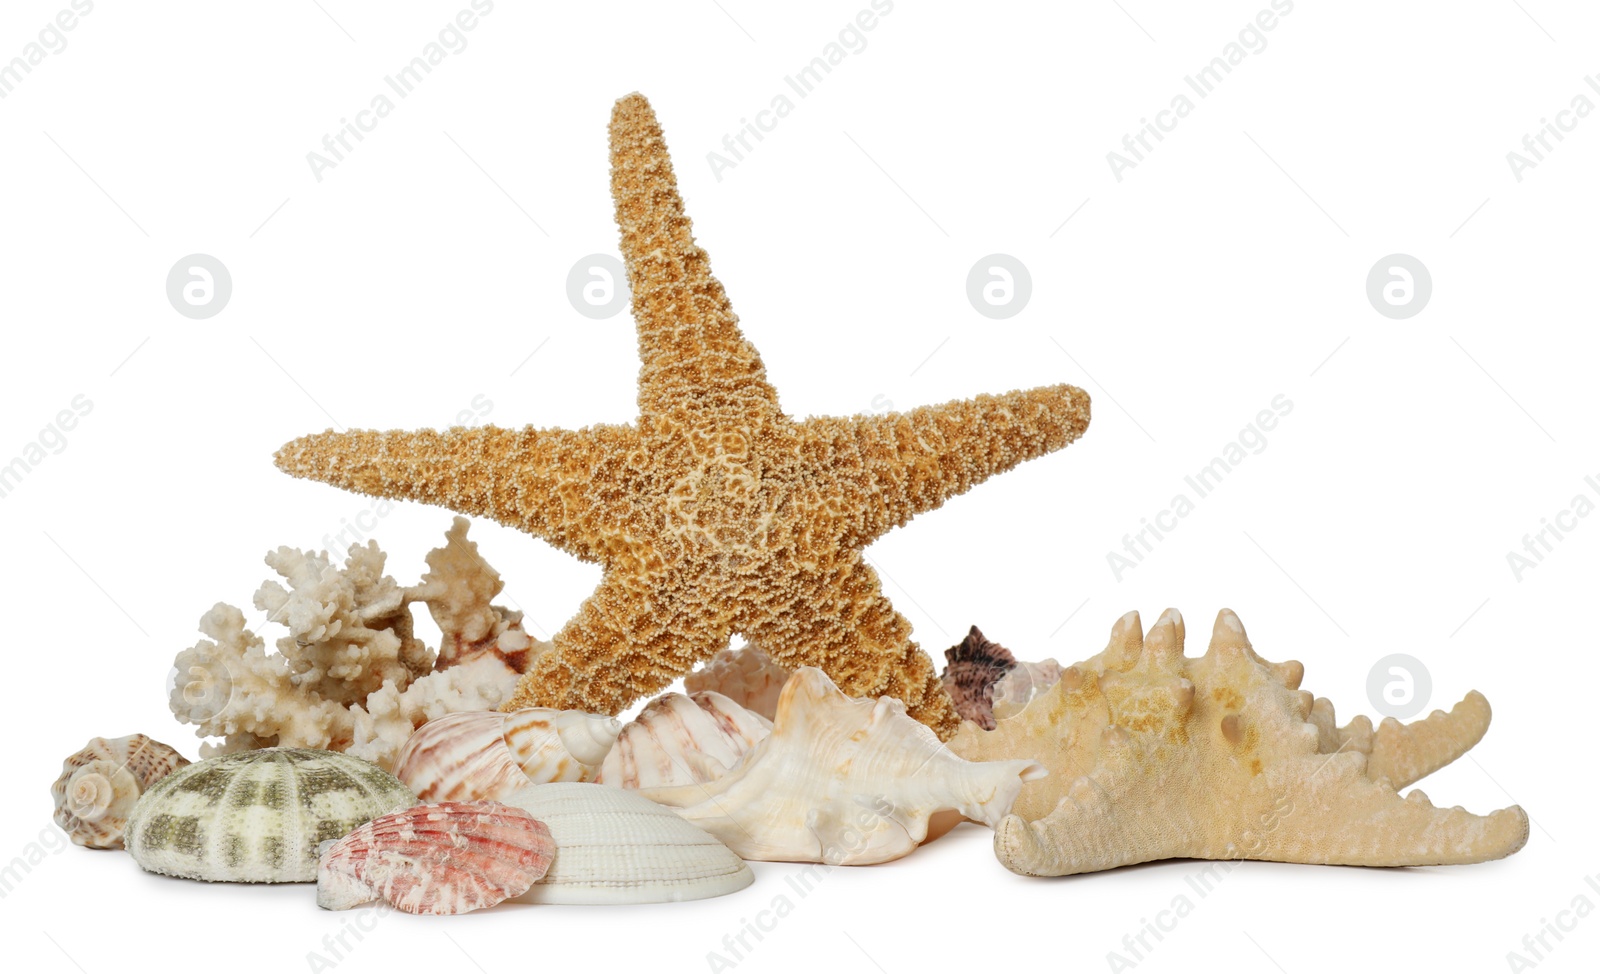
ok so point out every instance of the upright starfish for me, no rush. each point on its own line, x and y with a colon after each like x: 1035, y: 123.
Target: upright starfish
x: 714, y: 513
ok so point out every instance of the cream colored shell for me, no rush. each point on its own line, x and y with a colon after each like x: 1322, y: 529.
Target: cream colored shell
x: 100, y: 784
x: 614, y: 846
x: 488, y: 754
x: 746, y: 675
x: 843, y: 781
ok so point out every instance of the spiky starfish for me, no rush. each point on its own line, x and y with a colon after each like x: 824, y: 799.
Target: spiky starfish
x: 1156, y: 755
x: 714, y: 513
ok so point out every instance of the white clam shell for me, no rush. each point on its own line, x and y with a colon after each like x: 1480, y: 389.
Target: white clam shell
x: 613, y: 846
x: 682, y: 740
x: 100, y: 784
x: 845, y: 782
x: 486, y: 755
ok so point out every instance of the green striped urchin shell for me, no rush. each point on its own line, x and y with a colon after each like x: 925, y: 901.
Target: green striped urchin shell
x: 258, y: 816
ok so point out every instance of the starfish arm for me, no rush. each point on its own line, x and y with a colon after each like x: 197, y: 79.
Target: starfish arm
x: 623, y: 645
x: 556, y: 484
x: 693, y: 354
x: 892, y: 467
x: 841, y: 623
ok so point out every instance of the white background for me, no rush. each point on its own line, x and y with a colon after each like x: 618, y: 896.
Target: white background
x: 1226, y: 269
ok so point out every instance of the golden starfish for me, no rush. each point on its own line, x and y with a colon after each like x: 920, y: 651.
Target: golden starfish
x: 714, y: 513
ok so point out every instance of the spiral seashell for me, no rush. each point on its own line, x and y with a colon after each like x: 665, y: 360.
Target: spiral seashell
x: 1021, y: 684
x: 100, y: 784
x: 488, y: 755
x: 682, y: 740
x: 257, y: 816
x: 443, y: 859
x: 615, y: 846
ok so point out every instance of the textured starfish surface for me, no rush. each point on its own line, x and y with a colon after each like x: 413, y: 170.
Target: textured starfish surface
x: 1155, y: 755
x: 714, y: 513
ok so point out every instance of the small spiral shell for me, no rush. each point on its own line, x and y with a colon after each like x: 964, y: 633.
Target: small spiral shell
x: 99, y: 785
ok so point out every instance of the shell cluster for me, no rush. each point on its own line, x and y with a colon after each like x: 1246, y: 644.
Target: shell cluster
x: 100, y: 784
x: 488, y: 754
x: 443, y: 859
x: 257, y: 816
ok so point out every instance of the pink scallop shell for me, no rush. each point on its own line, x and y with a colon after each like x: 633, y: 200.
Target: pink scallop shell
x: 441, y: 859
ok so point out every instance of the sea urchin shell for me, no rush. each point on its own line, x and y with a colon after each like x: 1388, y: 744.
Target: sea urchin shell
x: 257, y: 816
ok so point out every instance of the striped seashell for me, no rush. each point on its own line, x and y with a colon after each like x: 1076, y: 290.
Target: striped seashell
x: 440, y: 860
x: 614, y: 846
x: 257, y: 816
x: 682, y: 740
x: 100, y: 784
x: 487, y: 754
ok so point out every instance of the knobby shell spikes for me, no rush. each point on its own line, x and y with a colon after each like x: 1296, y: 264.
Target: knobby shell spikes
x: 444, y: 859
x: 257, y: 816
x: 842, y: 781
x: 1162, y: 756
x: 100, y: 784
x: 613, y: 846
x: 747, y: 676
x: 679, y: 740
x: 489, y: 755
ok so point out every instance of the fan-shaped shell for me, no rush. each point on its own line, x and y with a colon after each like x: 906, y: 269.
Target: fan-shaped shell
x: 100, y: 784
x: 682, y: 740
x: 613, y: 846
x: 443, y: 859
x: 489, y: 755
x: 257, y: 816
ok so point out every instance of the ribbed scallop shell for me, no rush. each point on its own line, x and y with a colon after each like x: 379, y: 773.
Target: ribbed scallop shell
x: 746, y: 675
x: 257, y: 816
x: 613, y: 846
x: 682, y: 740
x: 100, y: 784
x: 488, y: 754
x: 442, y: 859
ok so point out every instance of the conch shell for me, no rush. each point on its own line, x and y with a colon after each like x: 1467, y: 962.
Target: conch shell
x: 682, y: 740
x: 746, y: 675
x: 842, y: 781
x: 1158, y: 756
x: 100, y: 784
x: 440, y: 860
x: 488, y: 755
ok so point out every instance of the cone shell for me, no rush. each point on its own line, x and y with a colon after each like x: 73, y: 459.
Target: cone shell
x: 844, y: 781
x: 489, y: 755
x: 100, y: 784
x: 441, y: 859
x: 682, y: 740
x: 257, y: 816
x: 613, y: 846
